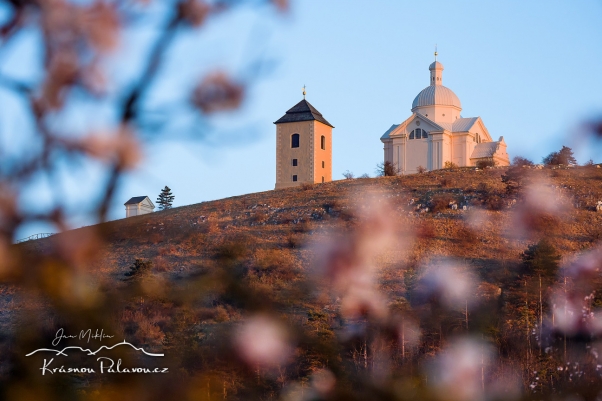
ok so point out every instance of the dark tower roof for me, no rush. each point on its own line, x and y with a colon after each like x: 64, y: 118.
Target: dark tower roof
x: 135, y: 200
x: 302, y: 111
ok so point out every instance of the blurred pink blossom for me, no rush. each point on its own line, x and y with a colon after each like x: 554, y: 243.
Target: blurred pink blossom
x: 119, y: 147
x: 458, y: 369
x: 323, y: 381
x: 450, y: 281
x: 541, y: 201
x: 476, y: 219
x: 262, y: 341
x: 194, y: 11
x: 347, y: 260
x: 586, y: 267
x: 217, y: 92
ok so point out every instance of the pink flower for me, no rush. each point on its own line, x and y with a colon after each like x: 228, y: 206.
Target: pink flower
x: 262, y: 341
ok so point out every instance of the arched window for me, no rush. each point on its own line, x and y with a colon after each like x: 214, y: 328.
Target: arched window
x: 323, y: 142
x: 419, y: 133
x: 295, y: 141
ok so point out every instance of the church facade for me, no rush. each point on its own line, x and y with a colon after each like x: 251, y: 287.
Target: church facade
x: 436, y: 133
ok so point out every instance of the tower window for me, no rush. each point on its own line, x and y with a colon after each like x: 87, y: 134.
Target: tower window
x: 294, y: 162
x: 412, y: 135
x: 323, y: 142
x: 322, y: 179
x: 295, y: 141
x: 295, y: 178
x: 322, y: 164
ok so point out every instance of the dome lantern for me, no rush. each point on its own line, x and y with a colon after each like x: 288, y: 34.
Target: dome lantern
x: 436, y: 69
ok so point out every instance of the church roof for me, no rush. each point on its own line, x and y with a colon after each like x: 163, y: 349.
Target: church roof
x: 460, y: 125
x: 464, y: 124
x: 138, y: 199
x: 484, y: 149
x: 386, y: 134
x: 436, y: 94
x: 436, y: 65
x: 302, y: 111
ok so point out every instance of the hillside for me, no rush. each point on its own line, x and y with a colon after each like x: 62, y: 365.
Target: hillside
x: 177, y: 240
x: 213, y: 263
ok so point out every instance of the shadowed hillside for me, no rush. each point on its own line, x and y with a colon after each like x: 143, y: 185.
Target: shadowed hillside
x: 295, y: 254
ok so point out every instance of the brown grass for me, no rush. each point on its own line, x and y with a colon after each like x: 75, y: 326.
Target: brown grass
x: 267, y: 232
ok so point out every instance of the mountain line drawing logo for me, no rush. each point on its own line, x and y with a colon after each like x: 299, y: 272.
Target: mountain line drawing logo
x: 90, y: 352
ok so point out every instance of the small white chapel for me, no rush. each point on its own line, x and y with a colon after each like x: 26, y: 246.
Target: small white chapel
x: 436, y: 133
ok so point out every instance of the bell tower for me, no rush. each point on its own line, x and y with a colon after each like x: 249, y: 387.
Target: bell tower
x: 303, y: 146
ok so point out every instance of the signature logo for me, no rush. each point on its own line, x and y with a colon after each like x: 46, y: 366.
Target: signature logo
x: 106, y: 364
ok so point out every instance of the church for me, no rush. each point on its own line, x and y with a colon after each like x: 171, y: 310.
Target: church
x: 433, y: 137
x: 436, y: 133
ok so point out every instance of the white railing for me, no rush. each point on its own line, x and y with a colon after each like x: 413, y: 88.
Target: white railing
x: 35, y: 236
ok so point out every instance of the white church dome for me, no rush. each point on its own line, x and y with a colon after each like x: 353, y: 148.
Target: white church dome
x: 436, y: 95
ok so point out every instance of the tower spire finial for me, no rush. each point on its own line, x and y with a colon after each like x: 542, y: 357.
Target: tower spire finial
x: 304, y: 93
x: 436, y: 52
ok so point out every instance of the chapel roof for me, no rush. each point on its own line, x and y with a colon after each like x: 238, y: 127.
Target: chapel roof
x: 302, y: 111
x: 484, y: 149
x: 459, y: 125
x: 386, y: 134
x: 135, y: 200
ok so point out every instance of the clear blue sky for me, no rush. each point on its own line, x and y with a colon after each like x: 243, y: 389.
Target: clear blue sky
x: 530, y: 69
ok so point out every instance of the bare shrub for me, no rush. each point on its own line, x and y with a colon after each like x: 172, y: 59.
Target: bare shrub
x: 294, y: 240
x: 386, y: 169
x: 139, y: 268
x: 306, y: 186
x: 221, y: 314
x: 259, y: 217
x: 520, y: 161
x: 420, y: 170
x: 492, y: 201
x: 445, y: 182
x: 449, y: 165
x: 441, y: 202
x: 483, y: 164
x: 514, y: 179
x: 348, y: 175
